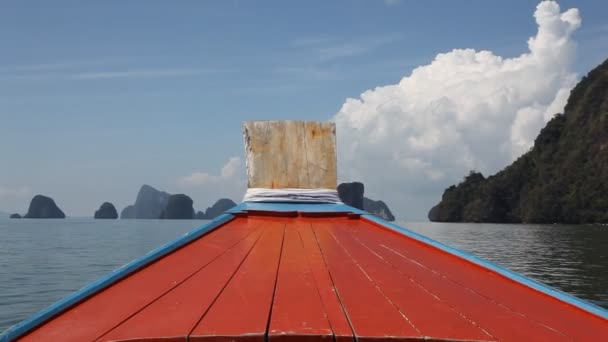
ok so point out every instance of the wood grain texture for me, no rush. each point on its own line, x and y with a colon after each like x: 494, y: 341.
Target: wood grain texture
x: 278, y: 278
x: 97, y: 315
x: 327, y: 291
x: 291, y: 154
x: 243, y: 308
x: 175, y: 313
x: 297, y: 309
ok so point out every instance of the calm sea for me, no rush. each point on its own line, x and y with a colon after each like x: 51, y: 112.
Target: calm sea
x: 42, y: 261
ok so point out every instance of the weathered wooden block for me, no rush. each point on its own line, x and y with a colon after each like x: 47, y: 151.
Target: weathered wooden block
x: 290, y: 154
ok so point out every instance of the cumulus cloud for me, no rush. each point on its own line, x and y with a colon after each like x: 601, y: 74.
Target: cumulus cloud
x: 228, y: 172
x: 465, y: 110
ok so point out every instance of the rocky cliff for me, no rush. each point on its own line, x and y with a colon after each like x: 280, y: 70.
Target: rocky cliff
x: 378, y: 208
x: 43, y: 207
x: 179, y: 207
x: 216, y: 209
x: 352, y: 194
x: 128, y: 212
x: 562, y: 179
x: 149, y: 204
x: 106, y: 211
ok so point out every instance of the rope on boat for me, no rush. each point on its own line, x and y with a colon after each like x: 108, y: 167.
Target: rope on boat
x: 293, y: 195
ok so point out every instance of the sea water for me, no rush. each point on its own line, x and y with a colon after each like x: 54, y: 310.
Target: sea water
x: 41, y: 261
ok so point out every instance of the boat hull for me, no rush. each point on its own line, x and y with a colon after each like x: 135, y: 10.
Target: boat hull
x: 312, y: 272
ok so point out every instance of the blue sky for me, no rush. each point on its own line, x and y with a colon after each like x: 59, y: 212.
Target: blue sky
x: 97, y: 98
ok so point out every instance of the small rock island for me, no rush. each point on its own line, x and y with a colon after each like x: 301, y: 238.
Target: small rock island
x: 15, y: 216
x: 106, y: 211
x: 216, y: 209
x: 352, y: 194
x: 149, y: 204
x: 155, y: 204
x: 43, y: 207
x: 378, y: 208
x: 179, y: 207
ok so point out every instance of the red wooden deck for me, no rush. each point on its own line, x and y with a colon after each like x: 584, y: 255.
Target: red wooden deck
x: 317, y: 279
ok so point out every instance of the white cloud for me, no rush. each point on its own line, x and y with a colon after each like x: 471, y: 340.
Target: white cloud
x: 82, y: 71
x: 392, y: 2
x: 231, y: 168
x: 227, y: 173
x: 205, y: 188
x: 354, y: 48
x: 327, y: 49
x: 65, y: 65
x: 465, y: 110
x: 196, y: 178
x: 142, y: 73
x: 311, y: 41
x: 308, y: 72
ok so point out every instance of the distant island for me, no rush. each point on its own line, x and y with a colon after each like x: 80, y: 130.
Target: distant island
x: 179, y: 207
x: 216, y: 209
x: 151, y: 203
x: 154, y: 204
x: 43, y: 207
x: 352, y: 194
x: 106, y: 211
x: 562, y: 179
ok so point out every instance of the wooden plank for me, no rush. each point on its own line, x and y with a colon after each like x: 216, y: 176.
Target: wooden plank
x: 297, y: 311
x: 537, y: 307
x: 422, y: 308
x: 41, y: 317
x: 102, y: 312
x: 243, y: 308
x: 333, y: 307
x: 495, y: 318
x: 175, y: 314
x: 291, y: 154
x: 371, y: 314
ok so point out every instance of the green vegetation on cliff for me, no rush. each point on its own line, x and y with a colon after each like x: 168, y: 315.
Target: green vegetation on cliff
x: 563, y: 178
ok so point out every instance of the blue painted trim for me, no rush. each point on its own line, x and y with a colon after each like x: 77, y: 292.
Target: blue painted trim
x: 41, y: 317
x: 301, y: 207
x: 570, y: 299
